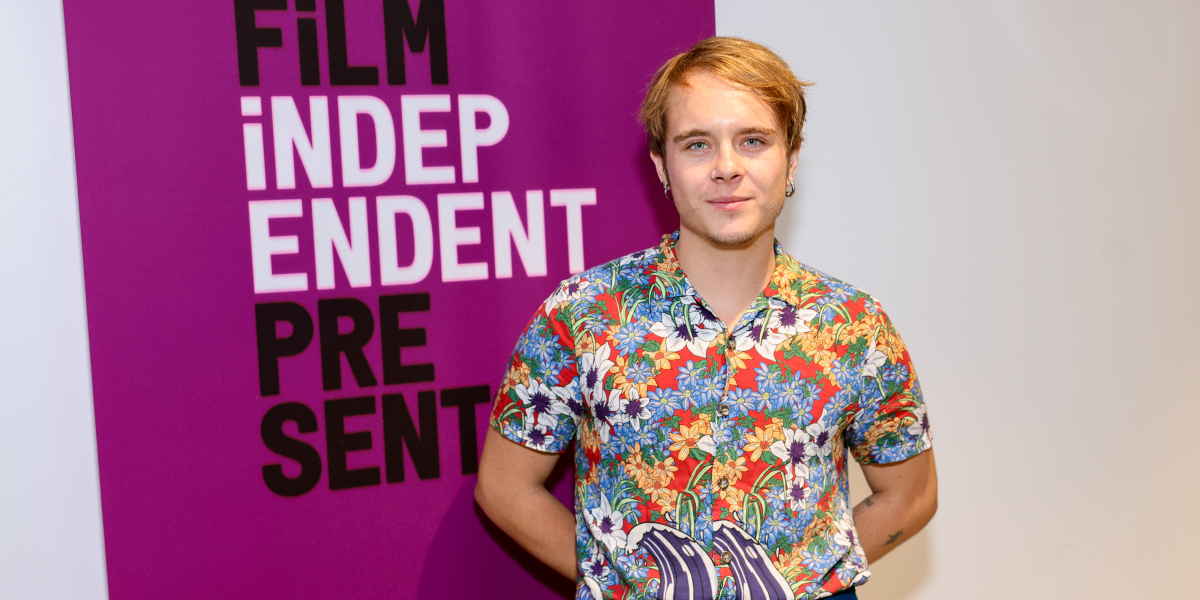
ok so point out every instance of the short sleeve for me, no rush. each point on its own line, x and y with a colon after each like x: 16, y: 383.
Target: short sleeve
x: 891, y: 423
x: 539, y: 404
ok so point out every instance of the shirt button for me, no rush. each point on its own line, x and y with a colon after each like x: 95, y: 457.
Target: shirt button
x: 726, y: 556
x: 723, y: 483
x: 724, y: 410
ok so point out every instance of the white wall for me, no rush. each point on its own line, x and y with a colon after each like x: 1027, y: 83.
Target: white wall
x: 1019, y: 182
x: 50, y: 535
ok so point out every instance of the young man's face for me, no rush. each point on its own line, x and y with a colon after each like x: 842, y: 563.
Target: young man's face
x: 726, y: 159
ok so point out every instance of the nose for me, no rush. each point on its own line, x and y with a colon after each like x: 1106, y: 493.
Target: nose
x: 727, y: 167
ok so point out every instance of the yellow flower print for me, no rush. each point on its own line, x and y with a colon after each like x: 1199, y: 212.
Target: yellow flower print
x: 788, y: 294
x: 893, y: 346
x: 518, y: 373
x: 735, y: 497
x: 879, y: 430
x: 589, y: 438
x: 825, y: 359
x: 827, y: 338
x: 693, y: 436
x: 783, y: 278
x: 637, y: 469
x: 731, y: 470
x: 665, y: 499
x: 775, y: 428
x: 664, y: 472
x: 586, y: 344
x: 758, y: 442
x: 662, y: 359
x: 737, y: 359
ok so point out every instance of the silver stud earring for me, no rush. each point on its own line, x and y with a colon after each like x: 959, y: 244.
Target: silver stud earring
x: 789, y: 190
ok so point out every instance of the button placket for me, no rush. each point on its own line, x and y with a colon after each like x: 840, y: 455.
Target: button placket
x: 730, y: 348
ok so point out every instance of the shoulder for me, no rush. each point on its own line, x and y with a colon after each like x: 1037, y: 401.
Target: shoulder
x: 584, y: 288
x: 825, y: 286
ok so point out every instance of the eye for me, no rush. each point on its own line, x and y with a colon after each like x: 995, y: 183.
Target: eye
x: 696, y: 145
x: 753, y: 142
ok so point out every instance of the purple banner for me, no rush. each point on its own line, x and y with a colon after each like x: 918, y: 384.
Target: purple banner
x: 312, y: 232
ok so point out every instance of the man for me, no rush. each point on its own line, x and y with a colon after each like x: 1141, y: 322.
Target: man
x: 712, y: 411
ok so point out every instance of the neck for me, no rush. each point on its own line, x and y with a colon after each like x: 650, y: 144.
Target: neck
x: 728, y: 278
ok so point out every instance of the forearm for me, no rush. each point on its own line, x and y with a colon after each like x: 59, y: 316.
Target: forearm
x: 538, y: 522
x: 892, y: 515
x: 511, y: 491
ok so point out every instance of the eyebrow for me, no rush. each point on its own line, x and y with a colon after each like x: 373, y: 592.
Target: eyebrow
x: 691, y: 133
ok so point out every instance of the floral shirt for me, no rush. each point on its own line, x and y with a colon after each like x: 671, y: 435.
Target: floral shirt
x: 712, y: 463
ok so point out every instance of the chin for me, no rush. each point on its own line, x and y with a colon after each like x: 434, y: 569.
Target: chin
x: 731, y: 239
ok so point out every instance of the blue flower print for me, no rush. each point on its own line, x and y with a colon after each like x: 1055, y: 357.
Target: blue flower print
x: 741, y: 401
x: 788, y: 394
x: 690, y: 375
x: 895, y: 373
x: 664, y: 402
x: 630, y: 336
x: 634, y: 564
x: 774, y: 526
x: 764, y: 378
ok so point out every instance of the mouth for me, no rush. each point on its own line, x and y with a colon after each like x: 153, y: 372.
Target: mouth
x: 728, y: 203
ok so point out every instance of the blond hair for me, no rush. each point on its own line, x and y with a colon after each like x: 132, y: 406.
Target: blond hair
x: 740, y: 62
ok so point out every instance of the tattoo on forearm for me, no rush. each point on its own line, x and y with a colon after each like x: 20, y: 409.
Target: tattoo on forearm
x: 868, y: 502
x: 894, y: 537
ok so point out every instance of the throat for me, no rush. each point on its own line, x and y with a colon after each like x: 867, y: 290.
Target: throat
x: 729, y: 280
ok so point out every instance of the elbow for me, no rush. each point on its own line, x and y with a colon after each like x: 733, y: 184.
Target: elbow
x: 483, y: 494
x: 930, y: 500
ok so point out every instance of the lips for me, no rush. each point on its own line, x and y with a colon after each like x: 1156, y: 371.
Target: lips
x: 728, y: 203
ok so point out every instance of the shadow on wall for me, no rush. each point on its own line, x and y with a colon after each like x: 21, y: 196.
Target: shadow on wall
x: 902, y: 574
x: 471, y: 558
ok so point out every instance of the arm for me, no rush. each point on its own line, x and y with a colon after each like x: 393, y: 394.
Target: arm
x: 511, y: 490
x: 903, y: 500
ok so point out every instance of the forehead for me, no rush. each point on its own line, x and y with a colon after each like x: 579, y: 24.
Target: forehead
x: 707, y: 101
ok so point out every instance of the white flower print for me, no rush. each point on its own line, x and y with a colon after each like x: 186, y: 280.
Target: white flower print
x: 921, y: 426
x: 795, y: 447
x: 593, y: 368
x: 797, y: 491
x: 764, y: 340
x: 872, y: 360
x: 547, y: 404
x: 596, y: 567
x: 822, y: 438
x: 846, y: 534
x: 607, y: 414
x: 634, y: 409
x: 540, y: 438
x: 571, y: 289
x: 789, y: 320
x: 691, y: 328
x: 606, y: 524
x: 646, y: 256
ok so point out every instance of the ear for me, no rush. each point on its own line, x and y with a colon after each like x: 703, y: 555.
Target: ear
x: 793, y: 163
x: 660, y: 165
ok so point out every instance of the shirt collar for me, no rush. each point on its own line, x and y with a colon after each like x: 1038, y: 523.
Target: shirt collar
x: 669, y: 281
